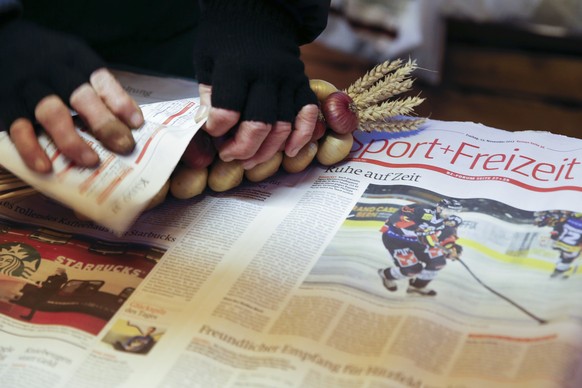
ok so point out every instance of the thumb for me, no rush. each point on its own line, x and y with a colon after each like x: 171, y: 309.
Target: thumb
x: 205, y: 92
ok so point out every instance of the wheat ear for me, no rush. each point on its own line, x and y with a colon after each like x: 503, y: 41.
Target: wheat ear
x: 388, y: 109
x: 370, y: 78
x: 378, y: 96
x: 393, y: 84
x: 393, y: 125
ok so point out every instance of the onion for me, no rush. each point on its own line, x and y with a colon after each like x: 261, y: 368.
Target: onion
x: 320, y: 127
x: 340, y: 112
x: 188, y: 182
x: 321, y: 88
x: 334, y: 147
x: 300, y: 161
x: 224, y: 176
x: 264, y: 170
x: 200, y: 152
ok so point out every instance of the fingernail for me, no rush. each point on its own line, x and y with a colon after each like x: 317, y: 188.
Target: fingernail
x: 293, y: 152
x: 136, y: 120
x: 125, y: 144
x: 41, y: 166
x: 89, y: 158
x: 202, y: 113
x: 247, y: 165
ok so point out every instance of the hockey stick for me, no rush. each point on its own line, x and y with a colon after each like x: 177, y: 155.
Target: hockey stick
x: 573, y: 271
x: 540, y: 320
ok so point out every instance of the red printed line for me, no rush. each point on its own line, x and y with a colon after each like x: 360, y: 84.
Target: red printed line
x: 473, y: 178
x: 89, y: 181
x: 167, y: 121
x: 107, y: 192
x: 61, y: 174
x: 184, y: 110
x: 147, y: 145
x: 55, y: 155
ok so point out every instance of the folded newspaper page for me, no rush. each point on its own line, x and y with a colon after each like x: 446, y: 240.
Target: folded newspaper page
x: 118, y: 190
x: 449, y: 258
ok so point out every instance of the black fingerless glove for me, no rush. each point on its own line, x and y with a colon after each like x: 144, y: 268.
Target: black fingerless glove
x: 248, y: 52
x: 35, y: 63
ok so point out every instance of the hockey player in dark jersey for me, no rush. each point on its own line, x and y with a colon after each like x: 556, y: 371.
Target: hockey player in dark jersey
x: 449, y: 236
x: 419, y: 241
x: 567, y: 236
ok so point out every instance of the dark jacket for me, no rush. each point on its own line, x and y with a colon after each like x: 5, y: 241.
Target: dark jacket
x: 137, y: 33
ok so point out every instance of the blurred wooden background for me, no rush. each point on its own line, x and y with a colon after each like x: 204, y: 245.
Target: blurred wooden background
x: 505, y: 77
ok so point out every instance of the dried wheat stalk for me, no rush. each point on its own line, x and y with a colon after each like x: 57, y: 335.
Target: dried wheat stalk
x: 374, y: 97
x: 373, y: 76
x: 388, y: 109
x: 393, y: 125
x: 393, y: 84
x: 383, y: 94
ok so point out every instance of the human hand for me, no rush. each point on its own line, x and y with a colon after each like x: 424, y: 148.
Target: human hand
x: 253, y: 80
x: 454, y: 253
x: 42, y: 74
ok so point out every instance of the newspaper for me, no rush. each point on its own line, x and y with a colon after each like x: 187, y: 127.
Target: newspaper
x: 282, y: 283
x: 117, y: 191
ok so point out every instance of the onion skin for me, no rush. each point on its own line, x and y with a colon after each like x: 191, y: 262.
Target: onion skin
x: 266, y: 169
x: 340, y: 113
x: 302, y: 160
x: 200, y: 151
x: 322, y: 88
x: 320, y: 126
x: 224, y: 176
x: 334, y: 147
x: 187, y: 182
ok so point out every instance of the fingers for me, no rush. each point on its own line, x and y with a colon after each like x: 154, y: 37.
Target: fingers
x: 285, y: 136
x: 245, y: 142
x: 26, y: 143
x: 274, y: 142
x: 116, y: 98
x: 54, y: 116
x: 303, y: 129
x: 205, y: 92
x: 108, y: 110
x: 219, y: 121
x: 105, y: 126
x: 253, y: 141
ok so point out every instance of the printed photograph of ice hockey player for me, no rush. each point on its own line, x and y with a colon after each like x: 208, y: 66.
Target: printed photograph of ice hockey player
x: 53, y: 277
x: 566, y: 236
x: 477, y: 257
x: 420, y: 238
x: 132, y: 337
